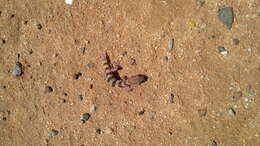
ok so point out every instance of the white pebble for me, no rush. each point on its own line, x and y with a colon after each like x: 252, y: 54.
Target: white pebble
x: 224, y: 53
x: 69, y: 2
x: 108, y: 131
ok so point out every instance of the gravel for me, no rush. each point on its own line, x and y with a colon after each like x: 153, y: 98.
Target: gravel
x: 17, y: 69
x: 226, y: 16
x: 222, y: 50
x: 231, y: 112
x: 93, y: 109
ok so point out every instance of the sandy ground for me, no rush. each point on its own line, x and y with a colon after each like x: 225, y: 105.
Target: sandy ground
x: 185, y: 102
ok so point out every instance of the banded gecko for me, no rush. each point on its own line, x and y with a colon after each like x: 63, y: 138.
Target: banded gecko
x: 113, y: 78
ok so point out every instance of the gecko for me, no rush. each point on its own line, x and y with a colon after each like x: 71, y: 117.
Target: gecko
x: 113, y: 77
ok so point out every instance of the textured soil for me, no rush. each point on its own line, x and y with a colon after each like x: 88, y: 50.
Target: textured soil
x: 186, y: 100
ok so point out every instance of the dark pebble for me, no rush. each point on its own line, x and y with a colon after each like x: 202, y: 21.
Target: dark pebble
x: 214, y: 143
x: 77, y: 75
x: 39, y: 26
x: 80, y: 97
x: 98, y: 131
x: 85, y: 116
x: 25, y: 22
x: 141, y: 112
x: 65, y: 94
x: 2, y: 87
x: 17, y: 69
x: 235, y: 41
x: 63, y: 100
x: 3, y: 41
x: 82, y: 50
x: 48, y: 89
x: 226, y: 16
x: 12, y: 16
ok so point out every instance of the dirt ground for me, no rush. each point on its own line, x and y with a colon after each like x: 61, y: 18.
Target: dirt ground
x: 194, y: 96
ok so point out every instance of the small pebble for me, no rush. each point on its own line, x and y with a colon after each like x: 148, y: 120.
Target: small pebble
x: 222, y: 50
x: 98, y: 131
x: 170, y: 44
x: 48, y: 89
x: 82, y: 50
x: 69, y: 2
x: 93, y: 109
x: 108, y: 131
x: 2, y: 86
x: 90, y: 65
x: 80, y: 97
x: 124, y: 53
x: 53, y: 133
x: 202, y: 112
x: 2, y: 118
x: 39, y: 26
x: 77, y: 75
x: 141, y: 112
x: 85, y: 116
x: 132, y: 61
x: 3, y: 41
x: 226, y: 16
x: 214, y: 143
x: 235, y: 41
x: 12, y: 16
x: 237, y: 95
x: 231, y: 112
x: 82, y: 121
x: 17, y: 69
x: 63, y: 100
x: 249, y: 49
x: 170, y: 98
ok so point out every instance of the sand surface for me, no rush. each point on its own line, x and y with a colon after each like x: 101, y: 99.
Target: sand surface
x: 187, y: 100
